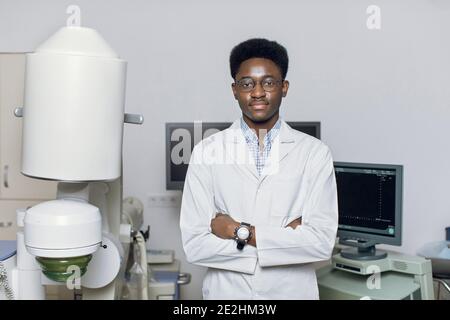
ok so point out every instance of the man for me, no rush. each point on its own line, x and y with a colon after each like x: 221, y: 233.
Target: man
x: 259, y: 203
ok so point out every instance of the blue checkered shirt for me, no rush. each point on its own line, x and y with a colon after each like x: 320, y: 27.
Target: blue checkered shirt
x: 260, y: 153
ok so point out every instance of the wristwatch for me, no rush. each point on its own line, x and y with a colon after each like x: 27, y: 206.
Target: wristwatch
x: 242, y: 235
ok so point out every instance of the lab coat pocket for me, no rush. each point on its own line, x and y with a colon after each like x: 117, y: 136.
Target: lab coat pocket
x: 287, y: 200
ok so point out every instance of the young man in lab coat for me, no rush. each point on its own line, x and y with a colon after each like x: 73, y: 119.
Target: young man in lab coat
x: 259, y: 202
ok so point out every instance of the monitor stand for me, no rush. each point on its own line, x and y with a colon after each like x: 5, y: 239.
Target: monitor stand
x: 364, y: 250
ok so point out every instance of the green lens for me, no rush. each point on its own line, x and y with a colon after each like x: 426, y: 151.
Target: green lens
x: 60, y: 269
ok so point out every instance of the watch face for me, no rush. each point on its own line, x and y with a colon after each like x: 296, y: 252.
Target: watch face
x: 243, y: 233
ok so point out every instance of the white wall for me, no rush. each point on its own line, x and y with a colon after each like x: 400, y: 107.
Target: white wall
x: 382, y: 96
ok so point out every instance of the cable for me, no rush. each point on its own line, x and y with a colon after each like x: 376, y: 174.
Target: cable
x: 143, y: 263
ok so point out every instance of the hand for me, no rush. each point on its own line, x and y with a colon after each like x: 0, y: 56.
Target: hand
x: 223, y: 226
x: 295, y: 223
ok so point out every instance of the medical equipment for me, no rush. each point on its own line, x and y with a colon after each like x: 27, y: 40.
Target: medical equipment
x: 150, y: 274
x: 439, y: 254
x: 73, y: 119
x: 396, y: 277
x: 370, y: 212
x: 7, y: 263
x: 136, y: 278
x: 136, y: 272
x: 370, y: 207
x: 165, y: 278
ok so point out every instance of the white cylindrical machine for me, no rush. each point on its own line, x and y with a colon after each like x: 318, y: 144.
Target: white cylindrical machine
x: 63, y: 234
x: 62, y: 228
x: 29, y: 273
x: 74, y: 108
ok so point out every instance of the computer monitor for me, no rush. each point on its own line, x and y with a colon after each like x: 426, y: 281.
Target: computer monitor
x: 370, y: 207
x: 311, y: 128
x: 181, y: 137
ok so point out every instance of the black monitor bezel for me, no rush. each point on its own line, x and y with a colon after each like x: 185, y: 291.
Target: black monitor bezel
x: 381, y: 239
x: 179, y: 185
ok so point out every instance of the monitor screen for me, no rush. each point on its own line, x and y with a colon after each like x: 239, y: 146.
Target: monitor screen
x: 180, y: 141
x: 182, y: 137
x: 369, y: 202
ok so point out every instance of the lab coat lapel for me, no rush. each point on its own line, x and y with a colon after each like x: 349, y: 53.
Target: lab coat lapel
x: 287, y: 140
x: 283, y: 143
x: 238, y: 152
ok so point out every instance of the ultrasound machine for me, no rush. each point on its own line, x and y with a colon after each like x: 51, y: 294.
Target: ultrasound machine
x: 370, y: 213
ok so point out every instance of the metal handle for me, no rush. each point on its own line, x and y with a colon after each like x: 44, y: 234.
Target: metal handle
x: 133, y: 118
x: 18, y: 112
x: 5, y: 176
x: 184, y: 278
x: 128, y: 117
x: 441, y: 282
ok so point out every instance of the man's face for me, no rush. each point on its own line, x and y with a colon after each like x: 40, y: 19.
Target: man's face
x: 262, y: 102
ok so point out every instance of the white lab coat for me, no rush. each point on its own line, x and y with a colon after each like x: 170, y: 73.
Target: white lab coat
x: 298, y: 180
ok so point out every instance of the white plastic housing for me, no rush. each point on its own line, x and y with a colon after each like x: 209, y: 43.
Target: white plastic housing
x: 104, y: 266
x: 62, y: 229
x: 74, y: 108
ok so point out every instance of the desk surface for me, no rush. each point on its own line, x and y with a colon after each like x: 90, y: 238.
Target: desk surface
x: 393, y: 285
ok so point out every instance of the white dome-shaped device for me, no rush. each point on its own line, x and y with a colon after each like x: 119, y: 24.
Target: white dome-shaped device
x: 62, y: 228
x: 77, y: 41
x: 74, y: 108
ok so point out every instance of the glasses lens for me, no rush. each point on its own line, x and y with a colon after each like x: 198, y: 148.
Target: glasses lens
x: 269, y: 84
x: 246, y: 84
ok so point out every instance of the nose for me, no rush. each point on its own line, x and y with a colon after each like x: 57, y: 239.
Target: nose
x: 258, y: 91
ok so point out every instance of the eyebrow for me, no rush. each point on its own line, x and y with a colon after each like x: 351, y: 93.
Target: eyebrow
x: 263, y: 77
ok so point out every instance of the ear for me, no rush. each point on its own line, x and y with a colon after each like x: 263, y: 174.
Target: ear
x: 285, y: 88
x: 233, y: 87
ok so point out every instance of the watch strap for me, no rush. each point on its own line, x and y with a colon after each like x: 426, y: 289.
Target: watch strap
x: 242, y: 243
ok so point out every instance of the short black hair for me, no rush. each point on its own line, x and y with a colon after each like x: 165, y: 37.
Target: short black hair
x: 259, y: 48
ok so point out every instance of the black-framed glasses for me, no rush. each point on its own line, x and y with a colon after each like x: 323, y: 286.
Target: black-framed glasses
x: 248, y: 84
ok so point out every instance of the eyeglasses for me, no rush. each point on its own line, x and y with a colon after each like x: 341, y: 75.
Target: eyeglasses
x: 248, y: 84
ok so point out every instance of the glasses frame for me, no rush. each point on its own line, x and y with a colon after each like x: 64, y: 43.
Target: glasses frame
x: 256, y: 82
